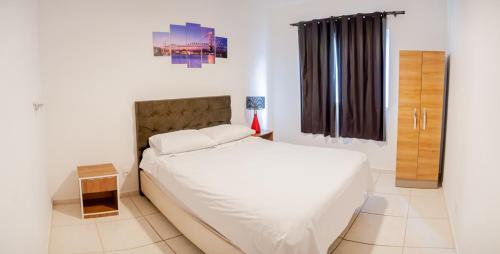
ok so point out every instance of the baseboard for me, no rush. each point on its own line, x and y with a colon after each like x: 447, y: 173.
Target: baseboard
x: 129, y: 194
x: 77, y: 200
x: 421, y: 184
x: 65, y: 201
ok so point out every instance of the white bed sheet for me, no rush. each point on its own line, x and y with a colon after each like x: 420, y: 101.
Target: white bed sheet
x: 267, y: 197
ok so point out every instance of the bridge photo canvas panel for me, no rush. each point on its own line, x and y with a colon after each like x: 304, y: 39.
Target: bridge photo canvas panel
x: 193, y: 45
x: 208, y: 45
x: 161, y: 44
x: 178, y: 39
x: 221, y: 47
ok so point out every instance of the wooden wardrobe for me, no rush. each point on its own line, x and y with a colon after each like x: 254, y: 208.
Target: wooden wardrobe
x: 420, y: 118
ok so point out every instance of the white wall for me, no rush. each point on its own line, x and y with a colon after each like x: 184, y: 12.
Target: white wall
x: 26, y: 207
x: 423, y: 27
x: 97, y: 60
x: 472, y: 172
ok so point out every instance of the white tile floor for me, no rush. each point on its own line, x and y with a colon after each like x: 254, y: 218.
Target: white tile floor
x: 392, y: 220
x: 140, y: 228
x: 399, y: 220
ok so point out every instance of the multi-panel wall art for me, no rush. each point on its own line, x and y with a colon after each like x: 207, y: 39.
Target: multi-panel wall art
x: 191, y: 44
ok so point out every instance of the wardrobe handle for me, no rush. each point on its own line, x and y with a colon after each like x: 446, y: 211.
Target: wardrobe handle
x: 414, y: 118
x: 425, y: 118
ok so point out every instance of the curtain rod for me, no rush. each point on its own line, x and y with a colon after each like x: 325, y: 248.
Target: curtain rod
x: 395, y: 13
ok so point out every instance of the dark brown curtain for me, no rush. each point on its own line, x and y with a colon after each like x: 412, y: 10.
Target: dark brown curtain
x: 361, y: 45
x: 317, y: 77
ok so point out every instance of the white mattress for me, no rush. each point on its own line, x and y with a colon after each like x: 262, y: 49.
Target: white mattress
x: 267, y: 197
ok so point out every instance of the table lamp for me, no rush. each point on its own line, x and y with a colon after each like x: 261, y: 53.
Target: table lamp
x: 256, y: 103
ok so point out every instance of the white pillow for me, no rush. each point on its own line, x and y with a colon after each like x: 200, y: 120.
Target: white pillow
x: 225, y: 133
x: 180, y: 141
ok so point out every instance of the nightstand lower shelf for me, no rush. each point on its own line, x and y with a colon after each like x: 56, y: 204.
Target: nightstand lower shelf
x: 100, y: 204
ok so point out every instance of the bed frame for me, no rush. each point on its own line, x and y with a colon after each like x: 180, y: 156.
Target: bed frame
x: 154, y: 117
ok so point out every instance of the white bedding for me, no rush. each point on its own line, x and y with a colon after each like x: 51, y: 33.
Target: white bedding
x: 267, y: 197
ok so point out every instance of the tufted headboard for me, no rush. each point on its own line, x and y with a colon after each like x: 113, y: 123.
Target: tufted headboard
x: 155, y: 117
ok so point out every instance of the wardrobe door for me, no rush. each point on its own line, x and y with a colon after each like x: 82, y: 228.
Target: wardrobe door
x: 433, y: 71
x: 410, y: 80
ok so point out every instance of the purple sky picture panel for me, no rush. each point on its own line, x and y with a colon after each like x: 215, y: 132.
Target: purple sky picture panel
x: 208, y: 41
x: 161, y: 43
x: 160, y: 39
x: 193, y: 48
x: 178, y: 39
x: 221, y: 47
x: 193, y: 33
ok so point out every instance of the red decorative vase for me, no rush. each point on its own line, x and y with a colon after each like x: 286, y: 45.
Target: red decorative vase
x: 255, y: 122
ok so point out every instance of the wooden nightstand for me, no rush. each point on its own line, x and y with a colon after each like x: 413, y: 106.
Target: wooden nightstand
x: 98, y: 190
x: 265, y: 134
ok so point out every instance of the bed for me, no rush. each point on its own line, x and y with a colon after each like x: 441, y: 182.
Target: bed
x: 250, y: 195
